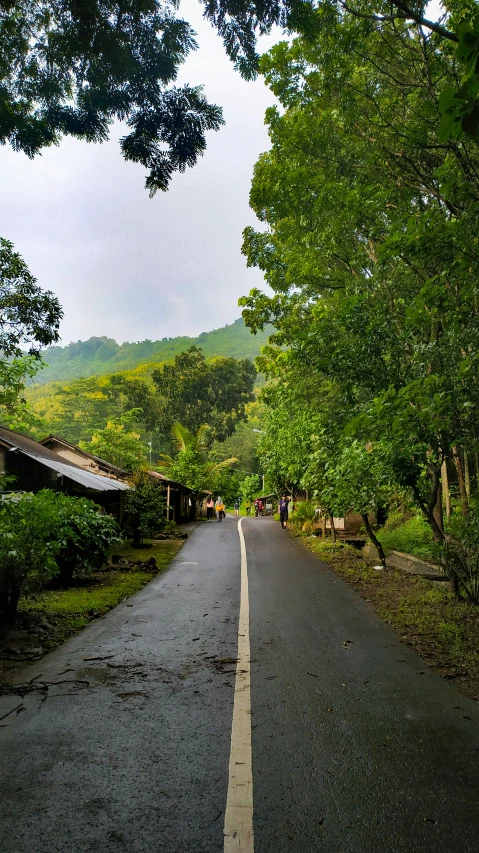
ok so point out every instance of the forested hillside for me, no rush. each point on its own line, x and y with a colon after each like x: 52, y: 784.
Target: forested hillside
x: 99, y: 356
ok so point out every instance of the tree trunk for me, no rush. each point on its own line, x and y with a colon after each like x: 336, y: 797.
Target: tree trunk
x: 373, y: 538
x: 333, y: 529
x: 460, y: 477
x: 323, y: 526
x: 9, y: 597
x: 446, y: 494
x: 437, y: 511
x: 467, y: 479
x: 428, y: 509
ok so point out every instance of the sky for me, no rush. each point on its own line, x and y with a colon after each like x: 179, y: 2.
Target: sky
x: 127, y: 266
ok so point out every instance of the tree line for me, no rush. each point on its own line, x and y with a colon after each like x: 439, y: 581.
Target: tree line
x: 371, y: 250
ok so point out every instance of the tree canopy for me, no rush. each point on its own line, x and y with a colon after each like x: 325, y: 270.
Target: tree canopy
x: 370, y: 249
x: 195, y: 391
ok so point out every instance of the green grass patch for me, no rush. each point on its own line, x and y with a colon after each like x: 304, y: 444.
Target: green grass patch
x: 106, y: 591
x: 69, y: 610
x: 412, y: 537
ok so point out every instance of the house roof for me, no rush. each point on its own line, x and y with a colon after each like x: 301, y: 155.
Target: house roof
x: 119, y: 472
x: 15, y: 441
x: 171, y: 482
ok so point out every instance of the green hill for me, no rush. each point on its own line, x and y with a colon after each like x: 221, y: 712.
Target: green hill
x: 99, y: 356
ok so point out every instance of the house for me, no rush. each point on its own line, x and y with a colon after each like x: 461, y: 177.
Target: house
x: 34, y: 467
x: 72, y: 453
x: 181, y: 501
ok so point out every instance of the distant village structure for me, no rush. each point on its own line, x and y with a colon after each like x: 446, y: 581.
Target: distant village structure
x: 54, y: 463
x: 35, y: 466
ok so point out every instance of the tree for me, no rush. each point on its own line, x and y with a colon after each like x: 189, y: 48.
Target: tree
x: 371, y: 219
x: 46, y: 535
x: 29, y: 317
x: 73, y: 68
x: 116, y: 444
x: 144, y: 507
x: 196, y: 392
x: 192, y: 464
x: 250, y: 487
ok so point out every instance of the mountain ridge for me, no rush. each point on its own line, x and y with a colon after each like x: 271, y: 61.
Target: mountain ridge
x: 102, y: 355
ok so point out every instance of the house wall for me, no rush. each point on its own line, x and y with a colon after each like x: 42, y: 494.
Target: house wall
x: 71, y: 455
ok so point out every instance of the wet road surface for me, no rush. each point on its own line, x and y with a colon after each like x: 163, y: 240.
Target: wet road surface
x: 356, y: 747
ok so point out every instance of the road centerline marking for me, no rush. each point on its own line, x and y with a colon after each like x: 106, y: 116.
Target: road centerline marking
x: 238, y: 826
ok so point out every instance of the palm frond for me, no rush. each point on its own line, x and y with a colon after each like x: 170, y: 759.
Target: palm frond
x: 182, y: 438
x: 165, y: 461
x: 219, y: 466
x: 202, y: 438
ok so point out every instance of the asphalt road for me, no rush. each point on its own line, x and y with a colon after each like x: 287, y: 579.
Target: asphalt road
x: 356, y: 747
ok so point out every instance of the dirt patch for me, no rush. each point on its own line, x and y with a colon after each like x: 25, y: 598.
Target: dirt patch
x: 443, y: 629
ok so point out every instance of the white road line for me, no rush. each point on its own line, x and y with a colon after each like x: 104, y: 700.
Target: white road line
x: 238, y: 828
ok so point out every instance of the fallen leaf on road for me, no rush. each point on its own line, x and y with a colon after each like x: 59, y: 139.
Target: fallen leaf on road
x: 99, y: 657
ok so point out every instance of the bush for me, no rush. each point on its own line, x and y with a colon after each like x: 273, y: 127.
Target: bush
x: 145, y: 508
x: 413, y: 536
x: 460, y: 554
x: 304, y: 514
x: 46, y: 535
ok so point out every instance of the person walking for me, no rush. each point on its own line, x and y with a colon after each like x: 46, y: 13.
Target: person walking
x: 220, y: 508
x: 237, y: 506
x: 210, y: 505
x: 283, y: 511
x: 247, y: 507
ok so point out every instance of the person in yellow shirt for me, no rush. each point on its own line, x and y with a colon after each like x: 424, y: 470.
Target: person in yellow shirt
x: 220, y: 508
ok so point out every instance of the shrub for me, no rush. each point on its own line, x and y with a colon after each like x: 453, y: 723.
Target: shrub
x: 414, y: 536
x: 145, y: 507
x: 46, y: 535
x: 460, y: 554
x: 304, y: 512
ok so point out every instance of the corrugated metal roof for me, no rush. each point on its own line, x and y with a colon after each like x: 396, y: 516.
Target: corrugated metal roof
x: 79, y: 475
x: 114, y: 468
x: 31, y: 448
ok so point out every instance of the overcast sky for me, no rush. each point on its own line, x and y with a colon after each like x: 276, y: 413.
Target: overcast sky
x: 127, y: 266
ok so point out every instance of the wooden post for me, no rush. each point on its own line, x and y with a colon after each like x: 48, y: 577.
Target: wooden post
x: 168, y: 502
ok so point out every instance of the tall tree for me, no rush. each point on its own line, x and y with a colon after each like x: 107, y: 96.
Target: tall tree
x: 29, y: 320
x: 194, y: 391
x: 371, y: 247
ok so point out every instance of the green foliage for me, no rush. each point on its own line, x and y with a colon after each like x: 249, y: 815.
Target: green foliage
x: 304, y: 513
x: 46, y: 534
x: 144, y: 508
x: 192, y: 465
x: 102, y: 356
x: 118, y: 445
x: 30, y: 317
x: 411, y: 537
x: 199, y: 392
x: 250, y: 487
x: 460, y: 553
x: 73, y: 70
x: 369, y: 243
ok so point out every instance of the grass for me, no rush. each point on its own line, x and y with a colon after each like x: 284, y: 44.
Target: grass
x: 443, y: 629
x: 69, y: 610
x: 414, y: 536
